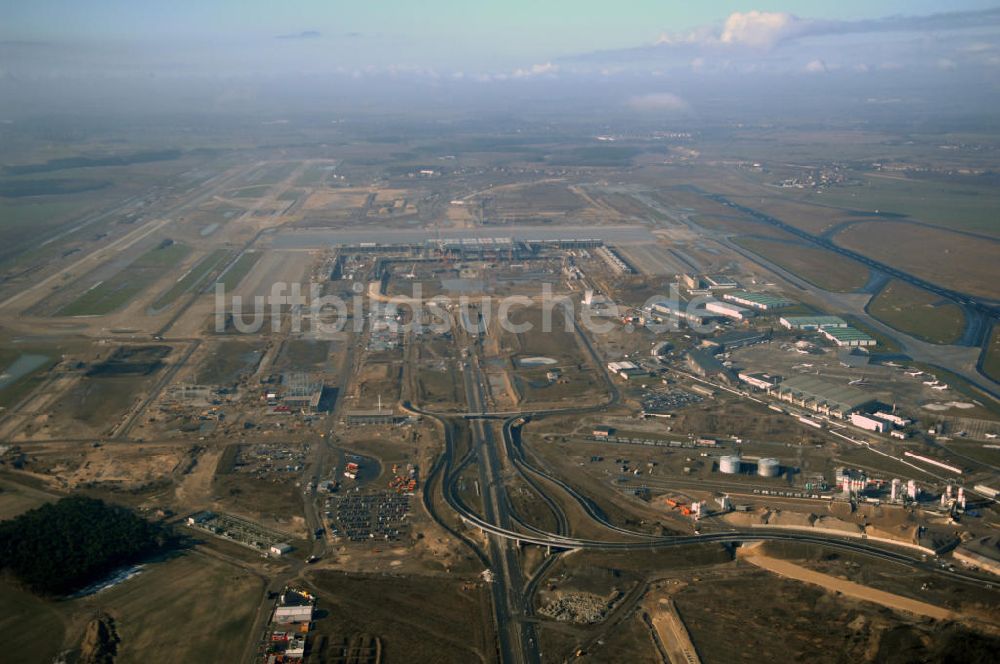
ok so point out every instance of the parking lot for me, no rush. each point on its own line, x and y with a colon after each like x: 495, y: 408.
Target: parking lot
x: 665, y: 402
x: 360, y: 518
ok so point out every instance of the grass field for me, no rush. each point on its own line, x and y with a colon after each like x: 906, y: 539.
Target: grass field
x: 966, y: 206
x: 256, y: 191
x: 191, y: 608
x: 822, y: 268
x: 918, y: 312
x: 964, y: 263
x: 33, y: 626
x: 417, y: 619
x: 116, y: 292
x: 238, y: 270
x: 195, y: 278
x: 24, y: 369
x: 16, y: 499
x: 991, y: 361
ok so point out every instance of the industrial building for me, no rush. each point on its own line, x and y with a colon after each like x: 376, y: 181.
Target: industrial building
x: 847, y: 336
x: 707, y: 366
x: 758, y: 301
x: 614, y: 260
x: 768, y: 467
x: 720, y: 282
x: 894, y: 419
x: 729, y: 310
x: 679, y: 310
x: 301, y: 392
x: 759, y: 380
x: 375, y: 416
x: 730, y: 464
x: 737, y: 339
x: 811, y: 323
x: 869, y: 423
x: 627, y: 370
x: 821, y: 396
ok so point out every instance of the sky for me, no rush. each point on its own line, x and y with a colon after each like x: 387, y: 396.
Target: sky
x: 445, y: 34
x: 55, y: 42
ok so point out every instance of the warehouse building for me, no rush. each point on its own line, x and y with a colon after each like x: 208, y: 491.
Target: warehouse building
x: 820, y: 396
x: 729, y: 310
x: 375, y: 416
x: 758, y: 301
x: 759, y: 380
x: 869, y: 423
x: 720, y: 282
x: 627, y: 370
x: 810, y: 323
x: 679, y: 311
x: 738, y: 339
x: 847, y: 336
x: 706, y: 366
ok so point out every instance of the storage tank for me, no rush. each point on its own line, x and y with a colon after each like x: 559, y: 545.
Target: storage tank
x: 768, y: 467
x: 730, y: 464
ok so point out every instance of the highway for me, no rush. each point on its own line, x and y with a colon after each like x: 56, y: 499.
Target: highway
x: 516, y: 637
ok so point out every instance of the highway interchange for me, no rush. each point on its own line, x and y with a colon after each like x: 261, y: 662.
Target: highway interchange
x: 505, y: 534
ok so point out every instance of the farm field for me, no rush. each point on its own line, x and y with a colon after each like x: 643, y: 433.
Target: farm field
x: 918, y: 312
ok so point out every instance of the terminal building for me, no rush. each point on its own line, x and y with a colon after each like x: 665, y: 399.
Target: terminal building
x: 758, y: 301
x: 820, y: 396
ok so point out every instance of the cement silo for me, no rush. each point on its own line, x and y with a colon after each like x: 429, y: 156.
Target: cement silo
x: 768, y: 467
x: 730, y: 465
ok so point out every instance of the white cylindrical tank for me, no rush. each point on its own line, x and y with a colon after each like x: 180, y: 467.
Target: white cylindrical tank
x: 768, y: 467
x: 730, y: 464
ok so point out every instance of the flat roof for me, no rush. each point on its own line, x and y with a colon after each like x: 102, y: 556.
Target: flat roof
x: 814, y: 320
x: 761, y: 298
x: 312, y: 238
x: 841, y: 397
x: 847, y: 334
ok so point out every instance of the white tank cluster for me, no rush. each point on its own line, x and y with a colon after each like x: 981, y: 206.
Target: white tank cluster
x: 768, y: 467
x: 730, y: 464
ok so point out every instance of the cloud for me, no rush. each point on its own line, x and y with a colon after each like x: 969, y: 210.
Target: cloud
x: 305, y: 34
x: 816, y: 67
x: 546, y: 69
x: 766, y: 30
x: 761, y: 29
x: 659, y: 101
